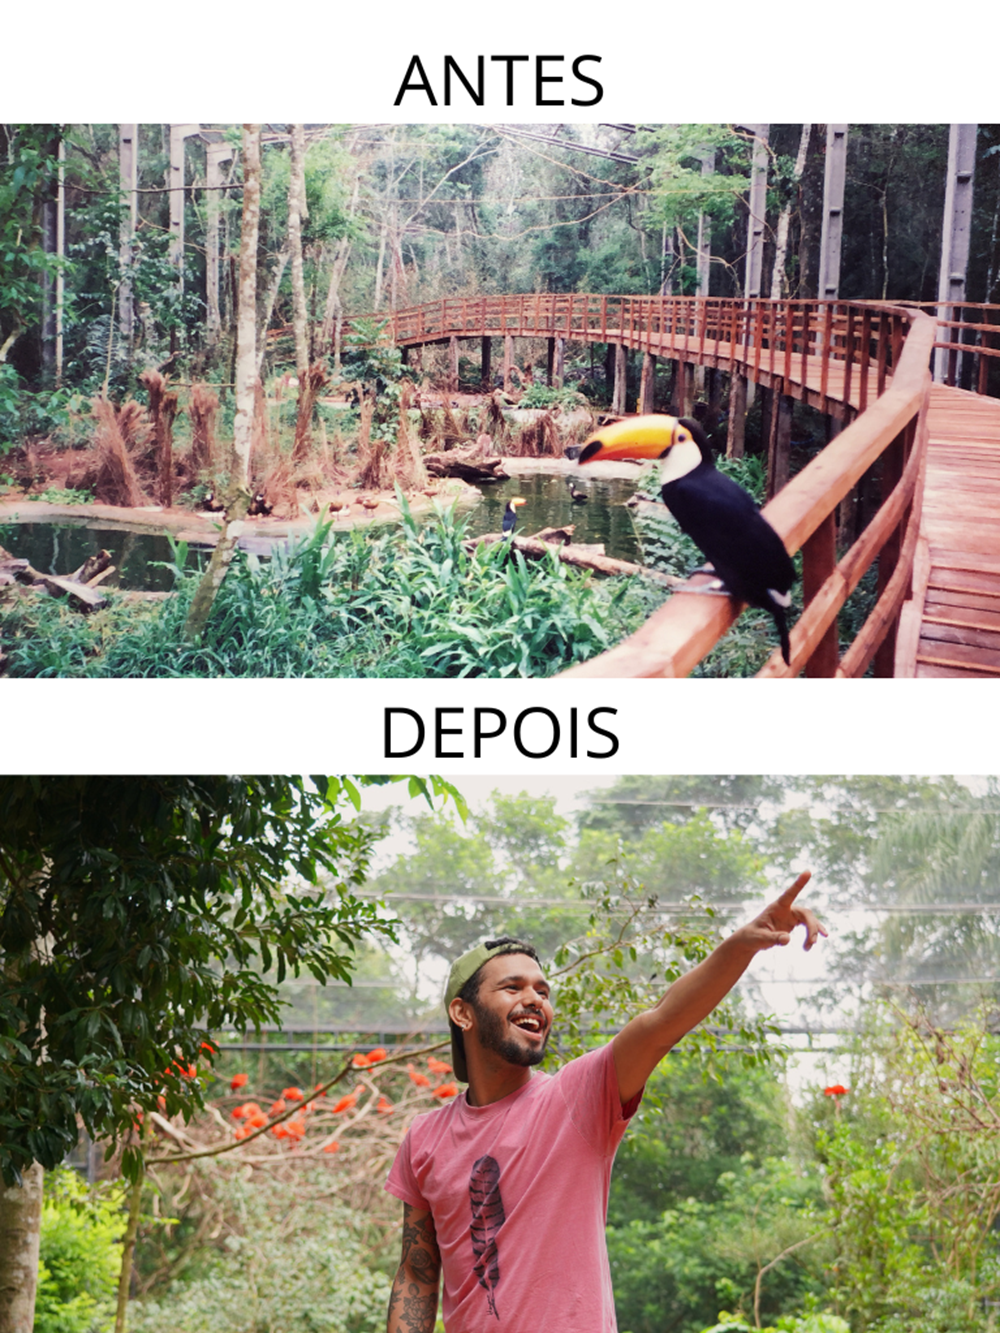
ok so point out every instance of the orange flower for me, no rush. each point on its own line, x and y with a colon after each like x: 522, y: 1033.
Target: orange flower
x: 296, y: 1128
x: 280, y: 1131
x: 190, y: 1072
x: 359, y: 1061
x: 446, y: 1090
x: 250, y: 1108
x: 238, y: 1081
x: 207, y: 1046
x: 836, y: 1090
x: 277, y: 1107
x: 239, y: 1112
x: 292, y: 1094
x: 333, y: 1146
x: 241, y: 1132
x: 379, y: 1053
x: 421, y: 1080
x: 346, y: 1103
x: 438, y: 1066
x: 384, y: 1106
x: 258, y: 1120
x: 161, y: 1102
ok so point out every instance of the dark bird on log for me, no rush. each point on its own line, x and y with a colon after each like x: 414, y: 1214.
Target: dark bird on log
x: 578, y: 497
x: 213, y: 505
x: 510, y: 515
x: 747, y: 555
x: 259, y: 506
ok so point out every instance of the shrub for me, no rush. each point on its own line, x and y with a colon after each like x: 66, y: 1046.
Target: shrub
x: 80, y: 1260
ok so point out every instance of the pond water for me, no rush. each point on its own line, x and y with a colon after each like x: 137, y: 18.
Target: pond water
x: 603, y: 518
x: 60, y: 547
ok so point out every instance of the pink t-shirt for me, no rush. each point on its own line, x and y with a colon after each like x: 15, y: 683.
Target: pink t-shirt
x: 519, y: 1195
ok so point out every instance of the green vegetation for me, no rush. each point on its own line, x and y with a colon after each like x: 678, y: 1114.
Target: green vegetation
x: 416, y: 603
x: 735, y: 1205
x: 81, y: 1255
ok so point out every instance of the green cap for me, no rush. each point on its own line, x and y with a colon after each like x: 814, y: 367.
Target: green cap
x: 461, y: 970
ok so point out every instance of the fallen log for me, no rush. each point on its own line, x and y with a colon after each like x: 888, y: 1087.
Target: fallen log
x: 583, y: 557
x: 86, y: 596
x: 93, y: 566
x: 89, y: 598
x: 466, y: 464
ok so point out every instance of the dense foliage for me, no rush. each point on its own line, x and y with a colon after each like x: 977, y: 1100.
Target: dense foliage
x: 416, y: 603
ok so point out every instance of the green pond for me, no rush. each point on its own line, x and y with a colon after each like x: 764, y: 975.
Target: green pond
x: 61, y: 547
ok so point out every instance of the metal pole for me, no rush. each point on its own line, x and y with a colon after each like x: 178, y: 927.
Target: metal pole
x: 955, y: 232
x: 178, y: 133
x: 60, y: 254
x: 128, y: 167
x: 758, y: 206
x: 215, y: 155
x: 828, y: 287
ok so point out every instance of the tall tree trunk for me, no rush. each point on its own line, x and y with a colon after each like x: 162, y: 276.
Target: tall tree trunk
x: 238, y: 500
x: 20, y: 1225
x: 300, y: 318
x: 296, y: 215
x: 779, y: 281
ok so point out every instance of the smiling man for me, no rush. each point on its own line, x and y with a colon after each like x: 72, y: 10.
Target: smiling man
x: 505, y: 1190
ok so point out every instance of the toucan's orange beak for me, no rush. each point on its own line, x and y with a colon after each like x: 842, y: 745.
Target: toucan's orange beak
x: 636, y: 437
x: 518, y: 500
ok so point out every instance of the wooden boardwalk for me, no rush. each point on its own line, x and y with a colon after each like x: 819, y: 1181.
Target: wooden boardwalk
x: 957, y: 568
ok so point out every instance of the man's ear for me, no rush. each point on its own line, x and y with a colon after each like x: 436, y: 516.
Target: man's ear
x: 460, y: 1013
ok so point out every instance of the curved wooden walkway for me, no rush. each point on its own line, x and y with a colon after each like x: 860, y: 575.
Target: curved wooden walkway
x: 951, y: 626
x: 933, y: 450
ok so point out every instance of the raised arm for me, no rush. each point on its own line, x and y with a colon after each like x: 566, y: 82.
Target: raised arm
x: 414, y: 1300
x: 642, y: 1044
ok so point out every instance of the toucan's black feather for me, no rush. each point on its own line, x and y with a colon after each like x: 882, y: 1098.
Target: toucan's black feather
x: 723, y: 521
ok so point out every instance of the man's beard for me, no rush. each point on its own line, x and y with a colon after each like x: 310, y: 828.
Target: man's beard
x: 493, y: 1037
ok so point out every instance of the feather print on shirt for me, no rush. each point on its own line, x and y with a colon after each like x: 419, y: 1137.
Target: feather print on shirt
x: 487, y: 1219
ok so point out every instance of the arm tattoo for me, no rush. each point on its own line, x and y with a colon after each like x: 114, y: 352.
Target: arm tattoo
x: 413, y: 1303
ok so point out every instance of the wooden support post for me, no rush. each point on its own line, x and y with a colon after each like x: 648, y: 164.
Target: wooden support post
x: 737, y: 415
x: 621, y: 381
x: 559, y: 374
x: 647, y: 384
x: 893, y: 462
x: 713, y: 388
x: 404, y: 356
x: 819, y: 559
x: 485, y: 368
x: 453, y: 364
x: 508, y: 362
x: 779, y: 440
x: 686, y: 388
x: 550, y: 360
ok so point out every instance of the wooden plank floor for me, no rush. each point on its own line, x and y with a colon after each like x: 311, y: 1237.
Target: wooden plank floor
x: 960, y: 623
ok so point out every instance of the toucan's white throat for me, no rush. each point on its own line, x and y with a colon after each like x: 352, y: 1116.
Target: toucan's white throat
x: 680, y: 460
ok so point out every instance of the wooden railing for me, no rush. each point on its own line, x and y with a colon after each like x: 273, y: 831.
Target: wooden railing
x: 894, y: 429
x: 836, y: 355
x: 865, y: 363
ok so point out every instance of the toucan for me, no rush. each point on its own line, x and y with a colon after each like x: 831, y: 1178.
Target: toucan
x: 578, y: 497
x: 720, y: 517
x: 510, y: 516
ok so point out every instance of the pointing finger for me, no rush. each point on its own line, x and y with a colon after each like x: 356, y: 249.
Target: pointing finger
x: 793, y: 891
